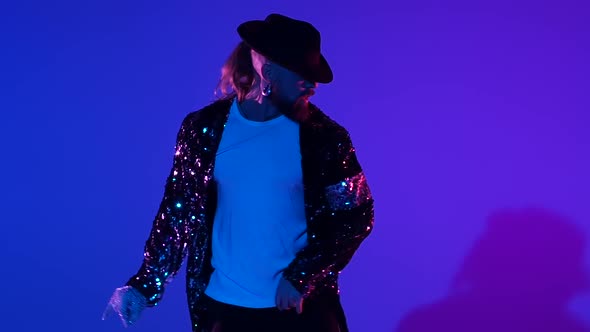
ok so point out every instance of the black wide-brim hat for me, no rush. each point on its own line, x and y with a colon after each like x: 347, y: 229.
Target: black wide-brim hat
x: 291, y: 43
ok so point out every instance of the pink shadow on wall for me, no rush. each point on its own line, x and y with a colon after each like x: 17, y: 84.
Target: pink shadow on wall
x: 520, y: 275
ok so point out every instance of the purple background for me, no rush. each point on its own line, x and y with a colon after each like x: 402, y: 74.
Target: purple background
x: 471, y: 121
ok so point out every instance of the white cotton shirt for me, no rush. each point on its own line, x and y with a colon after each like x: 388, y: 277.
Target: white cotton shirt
x: 260, y: 220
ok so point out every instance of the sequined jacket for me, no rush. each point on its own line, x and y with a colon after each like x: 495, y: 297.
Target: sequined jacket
x: 338, y: 206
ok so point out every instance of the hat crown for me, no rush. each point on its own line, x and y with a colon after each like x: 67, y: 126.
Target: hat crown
x: 292, y: 33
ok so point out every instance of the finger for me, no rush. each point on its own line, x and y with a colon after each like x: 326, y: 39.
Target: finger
x: 295, y: 304
x: 132, y: 317
x: 124, y: 313
x: 292, y: 302
x: 107, y: 311
x: 284, y: 303
x: 280, y: 303
x: 300, y: 306
x: 135, y: 313
x: 129, y: 313
x: 123, y: 319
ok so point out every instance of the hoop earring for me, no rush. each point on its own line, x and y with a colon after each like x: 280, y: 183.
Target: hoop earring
x: 267, y: 90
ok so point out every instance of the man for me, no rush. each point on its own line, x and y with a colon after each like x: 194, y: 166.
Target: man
x: 266, y: 198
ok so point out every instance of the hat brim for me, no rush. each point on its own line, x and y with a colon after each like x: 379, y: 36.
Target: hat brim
x: 256, y: 35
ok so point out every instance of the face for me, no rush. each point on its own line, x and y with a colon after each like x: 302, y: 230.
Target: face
x: 289, y: 89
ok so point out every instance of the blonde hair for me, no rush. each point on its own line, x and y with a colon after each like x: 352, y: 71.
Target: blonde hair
x: 240, y: 74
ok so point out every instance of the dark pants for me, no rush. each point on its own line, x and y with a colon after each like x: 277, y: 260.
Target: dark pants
x: 319, y: 315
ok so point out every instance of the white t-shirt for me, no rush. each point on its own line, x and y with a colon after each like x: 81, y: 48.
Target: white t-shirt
x: 260, y: 220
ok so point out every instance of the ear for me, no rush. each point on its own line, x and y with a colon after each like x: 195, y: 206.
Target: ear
x: 266, y: 71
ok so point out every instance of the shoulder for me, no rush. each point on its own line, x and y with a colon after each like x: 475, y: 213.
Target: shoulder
x: 332, y: 141
x: 324, y: 125
x: 207, y: 115
x: 199, y: 122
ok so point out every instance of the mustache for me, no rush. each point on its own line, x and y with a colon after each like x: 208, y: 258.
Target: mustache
x: 308, y: 93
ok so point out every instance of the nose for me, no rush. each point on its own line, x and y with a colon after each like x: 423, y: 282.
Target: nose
x: 310, y: 85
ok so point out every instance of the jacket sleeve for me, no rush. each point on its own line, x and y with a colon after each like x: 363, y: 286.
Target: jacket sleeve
x: 166, y: 246
x: 346, y: 219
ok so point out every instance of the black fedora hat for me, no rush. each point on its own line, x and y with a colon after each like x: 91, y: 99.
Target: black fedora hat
x: 291, y: 43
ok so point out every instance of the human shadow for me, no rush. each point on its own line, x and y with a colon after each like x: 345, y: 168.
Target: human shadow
x: 520, y: 275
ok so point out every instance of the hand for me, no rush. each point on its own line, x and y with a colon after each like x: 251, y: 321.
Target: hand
x: 128, y: 303
x: 288, y: 297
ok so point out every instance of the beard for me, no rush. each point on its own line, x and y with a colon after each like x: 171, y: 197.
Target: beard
x: 296, y: 110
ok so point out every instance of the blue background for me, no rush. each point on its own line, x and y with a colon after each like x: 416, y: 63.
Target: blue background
x: 464, y: 115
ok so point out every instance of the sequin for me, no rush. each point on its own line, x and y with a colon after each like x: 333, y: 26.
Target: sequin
x: 182, y: 229
x: 349, y: 193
